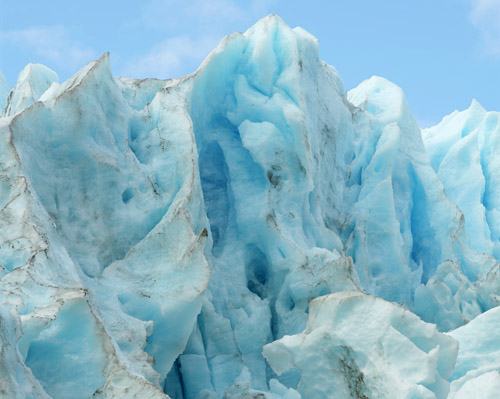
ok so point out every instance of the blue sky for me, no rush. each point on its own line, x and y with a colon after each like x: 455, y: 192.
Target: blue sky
x: 442, y: 53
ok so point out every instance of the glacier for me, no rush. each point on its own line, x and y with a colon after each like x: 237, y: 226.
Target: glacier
x: 250, y: 230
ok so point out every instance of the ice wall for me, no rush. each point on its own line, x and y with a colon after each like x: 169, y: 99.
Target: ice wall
x: 157, y: 235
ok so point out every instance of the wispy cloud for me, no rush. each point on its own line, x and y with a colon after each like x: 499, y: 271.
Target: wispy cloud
x: 191, y: 30
x: 53, y: 44
x: 485, y: 15
x: 200, y: 14
x: 168, y: 59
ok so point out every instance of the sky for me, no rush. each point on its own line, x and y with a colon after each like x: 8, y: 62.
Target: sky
x: 442, y: 53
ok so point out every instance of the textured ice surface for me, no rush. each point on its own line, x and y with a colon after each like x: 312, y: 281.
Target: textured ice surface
x: 104, y: 236
x: 463, y: 149
x: 476, y: 374
x: 156, y: 235
x: 358, y: 342
x: 403, y: 204
x: 32, y: 82
x: 139, y: 92
x: 272, y: 250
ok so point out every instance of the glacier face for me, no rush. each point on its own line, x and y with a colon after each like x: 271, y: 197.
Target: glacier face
x: 158, y: 236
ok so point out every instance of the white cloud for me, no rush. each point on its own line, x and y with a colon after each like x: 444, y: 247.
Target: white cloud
x: 193, y: 29
x: 168, y: 59
x: 485, y: 16
x: 52, y: 43
x: 200, y: 14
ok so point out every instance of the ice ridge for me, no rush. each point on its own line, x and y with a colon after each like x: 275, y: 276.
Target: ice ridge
x: 248, y: 231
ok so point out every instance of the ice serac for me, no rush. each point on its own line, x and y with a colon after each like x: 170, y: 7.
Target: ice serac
x: 103, y: 237
x: 255, y: 104
x: 358, y: 342
x: 389, y: 166
x: 32, y: 83
x: 463, y: 150
x: 403, y: 204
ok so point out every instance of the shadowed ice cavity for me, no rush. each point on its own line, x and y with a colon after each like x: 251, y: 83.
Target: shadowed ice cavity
x: 69, y: 357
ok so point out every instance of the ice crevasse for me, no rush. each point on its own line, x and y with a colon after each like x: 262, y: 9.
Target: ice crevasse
x: 250, y: 230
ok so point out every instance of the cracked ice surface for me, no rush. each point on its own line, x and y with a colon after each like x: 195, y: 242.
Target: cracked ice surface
x: 157, y: 235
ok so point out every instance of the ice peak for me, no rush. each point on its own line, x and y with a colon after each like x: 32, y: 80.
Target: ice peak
x: 32, y: 71
x: 386, y: 102
x: 269, y: 23
x: 32, y: 82
x: 475, y: 105
x: 384, y: 96
x: 95, y: 76
x: 99, y: 70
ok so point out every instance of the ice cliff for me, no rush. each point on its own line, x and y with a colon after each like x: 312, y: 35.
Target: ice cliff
x: 248, y: 231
